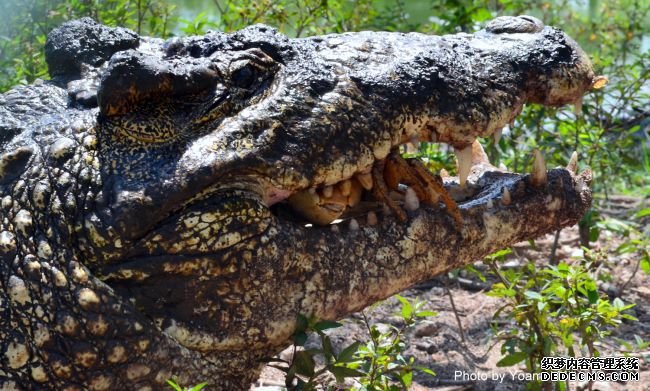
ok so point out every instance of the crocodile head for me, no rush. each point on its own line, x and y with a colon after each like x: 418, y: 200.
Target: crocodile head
x: 147, y: 187
x: 294, y: 114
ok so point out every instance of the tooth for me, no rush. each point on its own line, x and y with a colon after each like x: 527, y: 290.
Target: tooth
x: 577, y: 107
x: 371, y: 218
x: 355, y: 193
x: 313, y: 198
x: 444, y: 173
x: 328, y: 191
x: 478, y: 154
x: 497, y: 135
x: 506, y: 199
x: 353, y: 225
x: 365, y: 180
x: 539, y: 176
x: 413, y: 145
x: 490, y: 204
x: 345, y: 187
x: 411, y: 201
x: 464, y: 157
x: 573, y: 163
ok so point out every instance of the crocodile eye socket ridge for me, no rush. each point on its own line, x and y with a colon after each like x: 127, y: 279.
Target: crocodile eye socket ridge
x: 251, y: 68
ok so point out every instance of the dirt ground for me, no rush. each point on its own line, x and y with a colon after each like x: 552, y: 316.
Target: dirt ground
x: 437, y: 342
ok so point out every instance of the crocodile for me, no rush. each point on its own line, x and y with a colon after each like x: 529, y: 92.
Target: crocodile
x: 153, y: 221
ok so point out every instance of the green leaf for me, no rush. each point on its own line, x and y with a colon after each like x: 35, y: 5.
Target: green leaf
x: 645, y: 265
x: 512, y: 359
x: 326, y: 342
x: 642, y: 213
x: 299, y: 338
x: 426, y: 370
x: 326, y: 324
x: 172, y: 383
x: 424, y: 314
x: 341, y: 372
x: 407, y: 378
x: 592, y: 295
x: 302, y: 323
x: 407, y: 308
x: 304, y: 363
x: 533, y: 295
x: 347, y: 354
x: 198, y: 387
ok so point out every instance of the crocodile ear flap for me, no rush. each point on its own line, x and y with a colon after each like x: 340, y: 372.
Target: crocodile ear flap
x: 134, y: 79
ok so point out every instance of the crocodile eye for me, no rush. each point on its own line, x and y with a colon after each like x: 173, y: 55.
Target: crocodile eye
x: 250, y: 68
x: 244, y: 77
x: 515, y: 24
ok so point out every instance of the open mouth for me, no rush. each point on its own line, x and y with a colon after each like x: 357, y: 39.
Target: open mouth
x: 397, y: 186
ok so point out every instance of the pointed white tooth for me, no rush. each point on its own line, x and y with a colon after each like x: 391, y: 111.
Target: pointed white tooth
x: 489, y: 204
x: 353, y: 225
x: 497, y: 135
x: 478, y: 154
x: 573, y: 163
x: 411, y: 201
x: 328, y: 191
x: 464, y: 157
x: 539, y: 176
x: 577, y: 107
x: 444, y: 173
x: 365, y: 180
x: 371, y: 218
x: 506, y: 199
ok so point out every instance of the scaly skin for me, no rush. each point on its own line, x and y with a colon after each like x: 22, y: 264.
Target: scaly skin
x: 144, y: 228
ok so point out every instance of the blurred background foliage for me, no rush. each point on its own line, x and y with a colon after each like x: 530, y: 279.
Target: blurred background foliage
x: 612, y: 136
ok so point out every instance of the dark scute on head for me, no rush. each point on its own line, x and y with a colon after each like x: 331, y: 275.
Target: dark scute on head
x: 515, y: 24
x: 134, y: 77
x: 555, y: 51
x: 196, y: 46
x: 268, y: 39
x: 84, y: 41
